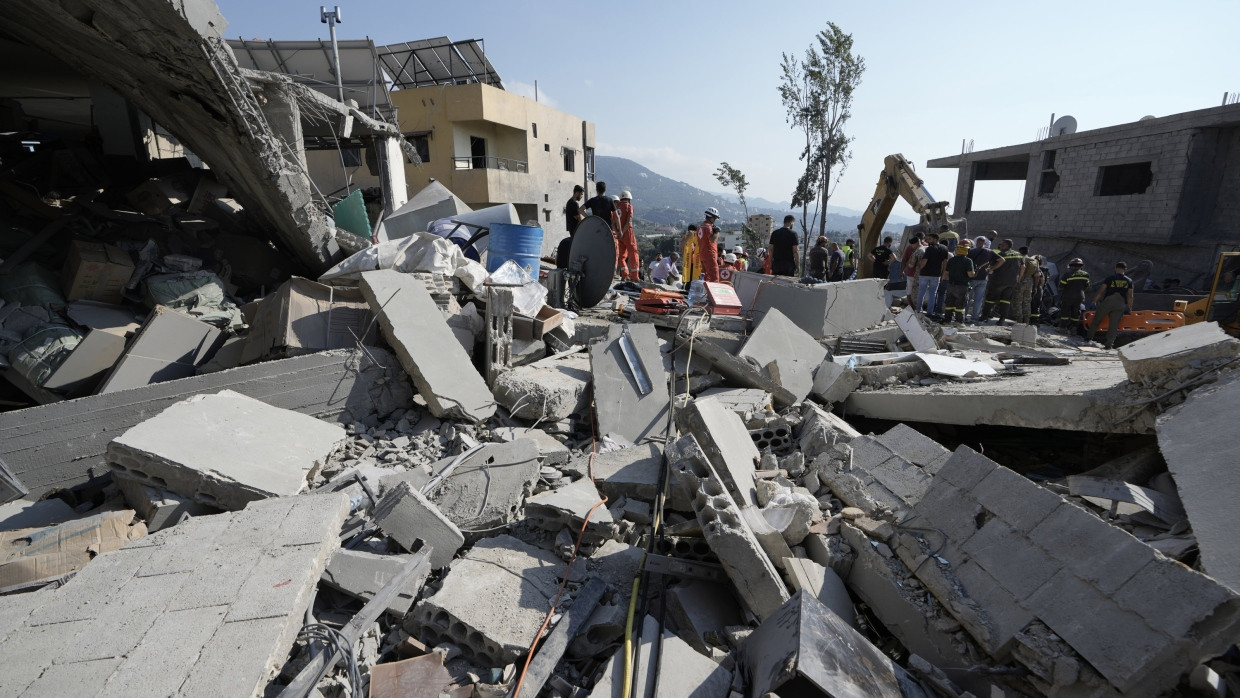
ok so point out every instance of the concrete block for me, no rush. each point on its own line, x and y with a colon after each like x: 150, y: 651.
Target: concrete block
x: 697, y: 607
x: 486, y: 490
x: 966, y: 468
x: 226, y: 449
x: 824, y: 310
x: 159, y: 507
x: 629, y: 472
x: 1194, y: 437
x: 1174, y: 599
x: 492, y: 601
x: 796, y: 354
x: 1161, y: 355
x: 1020, y: 567
x: 723, y: 438
x: 550, y: 450
x: 362, y: 575
x: 914, y: 447
x: 823, y: 584
x: 570, y: 506
x: 64, y: 444
x: 834, y: 382
x: 408, y: 517
x: 548, y: 390
x: 1016, y: 499
x: 618, y: 404
x: 952, y: 511
x: 805, y: 644
x: 683, y: 672
x: 1091, y: 548
x: 820, y: 430
x: 743, y: 401
x: 986, y: 610
x: 416, y: 330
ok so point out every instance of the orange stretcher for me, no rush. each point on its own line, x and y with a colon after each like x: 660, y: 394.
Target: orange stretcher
x: 1143, y: 321
x: 658, y: 302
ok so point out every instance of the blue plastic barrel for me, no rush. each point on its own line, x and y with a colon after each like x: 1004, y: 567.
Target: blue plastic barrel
x: 520, y: 243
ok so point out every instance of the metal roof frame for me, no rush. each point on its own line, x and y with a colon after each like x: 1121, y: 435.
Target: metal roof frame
x: 310, y: 63
x: 438, y: 61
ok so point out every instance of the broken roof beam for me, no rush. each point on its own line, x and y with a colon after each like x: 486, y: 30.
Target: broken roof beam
x: 167, y: 60
x: 361, y: 122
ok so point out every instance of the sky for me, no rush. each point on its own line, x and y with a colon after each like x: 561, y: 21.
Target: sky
x: 680, y: 86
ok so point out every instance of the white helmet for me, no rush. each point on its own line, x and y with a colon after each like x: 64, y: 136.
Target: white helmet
x: 740, y: 250
x: 613, y: 197
x: 626, y: 195
x: 712, y: 211
x: 729, y: 258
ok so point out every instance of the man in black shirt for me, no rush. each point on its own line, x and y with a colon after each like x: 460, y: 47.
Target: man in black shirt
x: 1114, y: 299
x: 929, y: 272
x: 572, y: 209
x: 982, y: 257
x: 784, y: 249
x: 818, y: 255
x: 957, y: 273
x: 603, y: 207
x: 881, y: 257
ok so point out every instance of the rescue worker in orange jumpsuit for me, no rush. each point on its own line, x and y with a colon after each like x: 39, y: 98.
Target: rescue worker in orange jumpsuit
x: 627, y: 259
x: 708, y: 248
x: 727, y: 272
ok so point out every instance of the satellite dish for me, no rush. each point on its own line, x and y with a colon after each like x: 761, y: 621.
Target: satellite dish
x: 1063, y: 126
x: 1147, y: 117
x: 593, y: 257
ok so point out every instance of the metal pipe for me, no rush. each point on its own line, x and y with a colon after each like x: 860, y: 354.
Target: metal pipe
x: 331, y: 19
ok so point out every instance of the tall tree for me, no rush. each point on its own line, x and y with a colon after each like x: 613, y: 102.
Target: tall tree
x: 817, y: 93
x: 735, y: 180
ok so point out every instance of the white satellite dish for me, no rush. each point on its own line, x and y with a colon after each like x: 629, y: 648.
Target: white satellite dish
x: 1147, y: 117
x: 1063, y: 126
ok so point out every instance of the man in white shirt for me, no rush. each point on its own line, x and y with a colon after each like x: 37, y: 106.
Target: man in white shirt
x: 665, y: 271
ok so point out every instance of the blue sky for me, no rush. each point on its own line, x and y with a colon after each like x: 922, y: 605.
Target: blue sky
x: 680, y: 86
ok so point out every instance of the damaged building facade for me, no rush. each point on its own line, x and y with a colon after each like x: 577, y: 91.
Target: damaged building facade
x: 386, y: 471
x: 1162, y: 189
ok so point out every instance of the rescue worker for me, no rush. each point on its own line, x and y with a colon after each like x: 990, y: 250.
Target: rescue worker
x: 688, y: 248
x: 727, y: 270
x: 818, y: 255
x: 958, y: 272
x: 1041, y: 292
x: 1022, y: 304
x: 1113, y: 301
x: 1072, y: 289
x: 850, y: 259
x: 628, y: 261
x: 708, y: 246
x: 1004, y: 275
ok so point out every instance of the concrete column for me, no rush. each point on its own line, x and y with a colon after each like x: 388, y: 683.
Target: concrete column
x: 284, y: 117
x: 391, y: 173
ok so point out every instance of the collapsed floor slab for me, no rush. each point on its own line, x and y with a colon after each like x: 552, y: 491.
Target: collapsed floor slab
x: 63, y: 444
x: 213, y: 602
x: 1086, y: 395
x: 551, y: 389
x: 226, y: 449
x: 619, y: 404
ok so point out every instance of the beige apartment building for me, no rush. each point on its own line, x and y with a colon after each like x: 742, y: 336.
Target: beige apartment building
x: 489, y: 146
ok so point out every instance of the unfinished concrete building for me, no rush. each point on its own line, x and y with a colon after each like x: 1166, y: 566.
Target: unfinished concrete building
x: 1161, y: 189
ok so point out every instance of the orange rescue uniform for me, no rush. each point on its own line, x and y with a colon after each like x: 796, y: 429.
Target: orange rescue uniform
x: 627, y: 259
x: 708, y: 252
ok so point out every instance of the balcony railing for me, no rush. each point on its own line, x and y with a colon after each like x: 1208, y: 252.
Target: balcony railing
x: 491, y: 163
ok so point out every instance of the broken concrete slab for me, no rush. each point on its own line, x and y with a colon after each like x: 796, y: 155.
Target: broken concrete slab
x: 1161, y: 355
x: 487, y: 489
x: 569, y: 506
x: 169, y: 346
x: 548, y: 390
x: 303, y: 316
x: 822, y: 310
x: 416, y: 330
x: 362, y: 575
x: 717, y: 348
x: 492, y: 601
x: 226, y: 449
x: 216, y: 601
x: 723, y: 438
x: 64, y: 444
x: 619, y: 405
x: 820, y: 430
x: 797, y: 355
x: 914, y: 447
x: 698, y: 607
x: 1082, y: 396
x: 919, y: 332
x: 953, y: 367
x: 160, y: 508
x: 408, y: 517
x: 823, y: 584
x: 1195, y: 440
x: 683, y: 672
x: 628, y: 472
x: 550, y: 450
x: 24, y: 513
x: 806, y: 645
x: 834, y: 382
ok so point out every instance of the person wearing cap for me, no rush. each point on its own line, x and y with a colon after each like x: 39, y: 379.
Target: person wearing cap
x: 783, y: 249
x: 1072, y: 288
x: 957, y: 273
x: 708, y: 245
x: 628, y: 261
x: 818, y: 257
x: 1113, y: 301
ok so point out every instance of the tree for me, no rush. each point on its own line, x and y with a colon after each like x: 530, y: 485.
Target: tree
x: 817, y: 93
x: 734, y: 179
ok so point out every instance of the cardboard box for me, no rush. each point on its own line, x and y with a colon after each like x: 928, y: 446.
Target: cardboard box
x: 31, y: 554
x: 530, y: 328
x: 97, y: 272
x: 307, y: 316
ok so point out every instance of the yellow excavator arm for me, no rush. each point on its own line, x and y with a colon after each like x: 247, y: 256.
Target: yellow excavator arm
x: 897, y: 180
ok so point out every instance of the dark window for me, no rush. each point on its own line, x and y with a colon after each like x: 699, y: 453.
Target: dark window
x: 1049, y: 182
x: 546, y: 198
x: 478, y: 151
x: 1048, y: 160
x: 422, y: 144
x: 570, y: 159
x: 352, y: 157
x: 1121, y: 180
x: 534, y: 127
x: 547, y: 147
x: 547, y: 214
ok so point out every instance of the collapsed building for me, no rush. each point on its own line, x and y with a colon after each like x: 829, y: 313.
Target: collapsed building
x: 388, y: 470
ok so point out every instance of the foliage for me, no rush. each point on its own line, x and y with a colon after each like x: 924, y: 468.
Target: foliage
x: 817, y: 92
x: 734, y: 179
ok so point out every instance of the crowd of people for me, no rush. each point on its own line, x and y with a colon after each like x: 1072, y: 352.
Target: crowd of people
x: 949, y: 279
